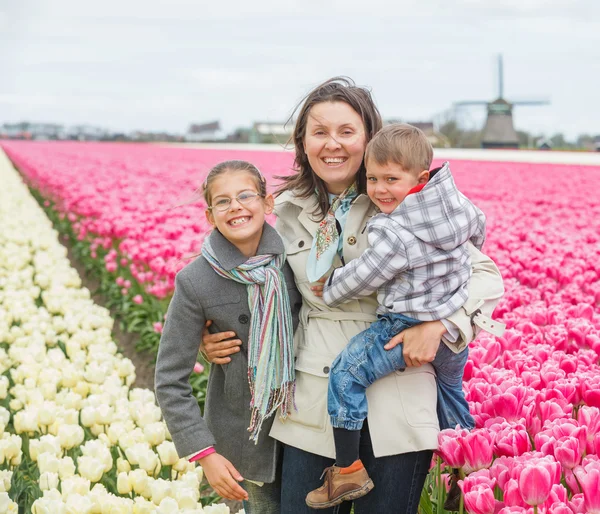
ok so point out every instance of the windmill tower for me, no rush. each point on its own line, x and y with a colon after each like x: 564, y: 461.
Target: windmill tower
x: 499, y: 131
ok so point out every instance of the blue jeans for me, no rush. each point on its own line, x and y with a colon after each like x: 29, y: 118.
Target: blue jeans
x: 365, y: 360
x: 398, y: 480
x: 263, y: 500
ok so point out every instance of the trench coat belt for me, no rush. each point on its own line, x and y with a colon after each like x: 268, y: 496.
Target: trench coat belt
x: 343, y: 316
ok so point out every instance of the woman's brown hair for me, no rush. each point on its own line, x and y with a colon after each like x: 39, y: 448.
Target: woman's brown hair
x: 337, y: 89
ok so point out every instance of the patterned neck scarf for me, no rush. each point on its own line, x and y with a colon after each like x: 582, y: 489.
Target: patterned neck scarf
x: 270, y: 342
x: 325, y: 243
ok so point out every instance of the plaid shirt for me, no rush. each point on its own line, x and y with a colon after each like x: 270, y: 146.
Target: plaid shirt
x: 417, y: 260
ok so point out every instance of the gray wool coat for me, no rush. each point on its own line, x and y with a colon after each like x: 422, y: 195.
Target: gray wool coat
x: 200, y: 295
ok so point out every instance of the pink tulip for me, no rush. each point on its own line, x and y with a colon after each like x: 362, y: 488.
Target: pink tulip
x: 138, y: 299
x: 158, y: 327
x: 512, y: 494
x: 198, y: 368
x: 512, y: 441
x: 478, y: 448
x: 450, y: 447
x: 478, y: 492
x: 535, y: 483
x: 588, y: 476
x: 567, y: 452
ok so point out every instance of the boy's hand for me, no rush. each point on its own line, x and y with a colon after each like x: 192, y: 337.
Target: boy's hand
x: 317, y: 287
x: 223, y: 477
x: 421, y: 342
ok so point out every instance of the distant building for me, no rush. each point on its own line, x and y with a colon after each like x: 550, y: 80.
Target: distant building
x: 37, y: 131
x: 266, y: 132
x: 204, y: 132
x: 544, y: 144
x: 86, y: 133
x: 597, y: 143
x: 437, y: 139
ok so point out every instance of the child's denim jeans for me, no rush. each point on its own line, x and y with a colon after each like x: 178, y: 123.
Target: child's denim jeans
x: 365, y: 360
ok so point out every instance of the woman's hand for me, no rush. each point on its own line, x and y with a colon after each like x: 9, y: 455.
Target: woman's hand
x: 223, y: 477
x: 421, y: 342
x: 217, y: 347
x: 317, y: 287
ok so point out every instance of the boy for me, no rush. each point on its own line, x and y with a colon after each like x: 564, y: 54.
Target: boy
x: 418, y: 262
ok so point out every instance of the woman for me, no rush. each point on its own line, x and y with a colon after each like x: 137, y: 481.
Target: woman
x: 322, y: 212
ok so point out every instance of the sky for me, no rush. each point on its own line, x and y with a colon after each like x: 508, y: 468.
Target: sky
x: 147, y: 65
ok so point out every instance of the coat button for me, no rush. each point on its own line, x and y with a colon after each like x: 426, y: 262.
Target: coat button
x: 326, y: 369
x: 243, y: 319
x: 300, y: 244
x: 352, y: 240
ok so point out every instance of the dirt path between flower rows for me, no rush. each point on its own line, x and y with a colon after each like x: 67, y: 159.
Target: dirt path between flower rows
x: 143, y: 361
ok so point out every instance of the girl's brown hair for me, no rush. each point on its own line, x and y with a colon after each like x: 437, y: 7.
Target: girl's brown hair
x: 337, y: 89
x: 226, y: 166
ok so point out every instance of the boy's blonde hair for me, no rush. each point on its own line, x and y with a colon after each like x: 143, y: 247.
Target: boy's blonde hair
x: 402, y: 144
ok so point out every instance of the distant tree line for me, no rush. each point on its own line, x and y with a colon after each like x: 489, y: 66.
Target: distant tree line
x: 460, y: 137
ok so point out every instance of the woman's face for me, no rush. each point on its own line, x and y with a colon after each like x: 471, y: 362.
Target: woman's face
x: 335, y: 144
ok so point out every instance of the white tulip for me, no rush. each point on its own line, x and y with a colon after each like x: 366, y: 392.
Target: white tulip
x: 155, y: 433
x: 70, y: 436
x: 123, y: 465
x: 88, y: 416
x: 50, y: 444
x: 217, y: 508
x: 48, y: 390
x: 82, y: 388
x: 161, y: 489
x: 123, y: 483
x: 75, y: 485
x: 143, y: 506
x: 104, y: 414
x: 168, y: 506
x: 7, y: 505
x: 167, y: 453
x: 148, y: 461
x: 78, y: 504
x: 5, y: 480
x: 3, y: 387
x: 186, y: 498
x: 66, y: 468
x: 48, y: 480
x: 4, y: 416
x: 48, y: 462
x: 139, y: 480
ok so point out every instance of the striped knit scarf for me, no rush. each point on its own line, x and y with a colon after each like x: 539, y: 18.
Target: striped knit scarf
x: 270, y: 342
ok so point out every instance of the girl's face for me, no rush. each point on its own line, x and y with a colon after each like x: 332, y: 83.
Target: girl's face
x: 240, y: 222
x: 335, y: 144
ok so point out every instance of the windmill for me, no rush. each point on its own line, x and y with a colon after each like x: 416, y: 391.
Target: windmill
x: 499, y: 131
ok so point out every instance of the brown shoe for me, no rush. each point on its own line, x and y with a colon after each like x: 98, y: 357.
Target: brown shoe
x: 452, y: 502
x: 341, y: 484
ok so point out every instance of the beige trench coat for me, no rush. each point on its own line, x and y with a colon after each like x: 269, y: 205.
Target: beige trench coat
x: 402, y: 406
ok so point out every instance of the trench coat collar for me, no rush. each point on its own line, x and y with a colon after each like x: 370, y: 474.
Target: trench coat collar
x: 309, y: 206
x: 230, y: 257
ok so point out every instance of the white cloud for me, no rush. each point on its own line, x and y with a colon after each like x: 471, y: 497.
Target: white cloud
x: 160, y: 65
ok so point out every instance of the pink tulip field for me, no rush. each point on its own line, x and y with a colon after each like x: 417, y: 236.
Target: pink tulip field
x: 131, y: 215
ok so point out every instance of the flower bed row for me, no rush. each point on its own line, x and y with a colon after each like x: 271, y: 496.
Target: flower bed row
x: 74, y: 437
x: 535, y: 392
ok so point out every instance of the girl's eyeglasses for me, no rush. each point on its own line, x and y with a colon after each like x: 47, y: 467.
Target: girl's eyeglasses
x: 223, y: 204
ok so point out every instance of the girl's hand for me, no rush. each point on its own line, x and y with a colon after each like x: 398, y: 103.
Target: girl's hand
x: 223, y: 477
x: 317, y: 287
x: 217, y: 347
x: 421, y: 342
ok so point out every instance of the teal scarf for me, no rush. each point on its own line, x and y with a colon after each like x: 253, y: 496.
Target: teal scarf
x: 271, y: 337
x: 326, y: 241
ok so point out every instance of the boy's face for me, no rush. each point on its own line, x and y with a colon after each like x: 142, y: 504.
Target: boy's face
x: 388, y: 184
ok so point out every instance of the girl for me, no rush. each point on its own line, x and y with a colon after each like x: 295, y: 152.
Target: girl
x: 322, y: 213
x: 241, y: 283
